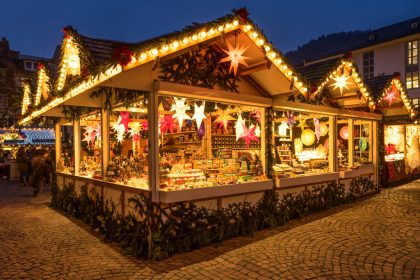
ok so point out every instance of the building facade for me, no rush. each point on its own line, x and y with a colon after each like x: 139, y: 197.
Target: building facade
x: 15, y: 69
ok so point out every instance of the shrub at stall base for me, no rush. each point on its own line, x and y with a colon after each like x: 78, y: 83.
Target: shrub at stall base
x: 157, y: 232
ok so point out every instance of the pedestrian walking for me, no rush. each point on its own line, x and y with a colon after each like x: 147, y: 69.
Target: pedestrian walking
x: 23, y: 163
x: 39, y: 170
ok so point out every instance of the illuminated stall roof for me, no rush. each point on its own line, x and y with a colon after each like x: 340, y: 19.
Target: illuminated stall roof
x: 336, y: 82
x: 390, y: 96
x: 87, y: 63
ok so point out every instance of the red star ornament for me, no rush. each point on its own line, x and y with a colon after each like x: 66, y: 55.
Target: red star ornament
x: 125, y: 119
x: 249, y: 135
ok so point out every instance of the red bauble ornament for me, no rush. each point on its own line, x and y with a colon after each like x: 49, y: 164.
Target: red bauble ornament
x: 122, y: 55
x: 243, y: 14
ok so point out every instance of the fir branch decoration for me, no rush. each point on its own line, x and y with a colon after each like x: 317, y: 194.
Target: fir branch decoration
x: 199, y: 68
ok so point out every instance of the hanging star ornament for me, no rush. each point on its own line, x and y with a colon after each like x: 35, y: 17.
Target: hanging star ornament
x: 283, y: 127
x: 235, y: 56
x: 302, y: 124
x: 290, y: 119
x: 249, y: 135
x: 239, y: 130
x: 119, y: 129
x: 125, y: 119
x: 199, y: 114
x: 166, y: 124
x: 390, y: 96
x: 257, y: 130
x: 224, y: 117
x: 340, y: 83
x: 180, y: 107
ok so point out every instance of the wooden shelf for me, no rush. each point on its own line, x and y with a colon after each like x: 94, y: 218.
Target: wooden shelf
x: 180, y: 133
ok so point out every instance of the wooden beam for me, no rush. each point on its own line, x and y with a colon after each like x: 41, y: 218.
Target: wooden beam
x: 264, y: 65
x: 355, y: 106
x: 393, y: 106
x: 343, y: 97
x: 257, y: 86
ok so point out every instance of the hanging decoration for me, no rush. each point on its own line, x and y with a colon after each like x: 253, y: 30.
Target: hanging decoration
x: 235, y: 57
x: 344, y: 132
x: 201, y: 131
x: 317, y: 129
x: 341, y: 82
x: 180, y: 107
x: 223, y: 118
x: 324, y: 129
x: 257, y: 129
x: 308, y: 137
x: 144, y: 125
x: 290, y: 119
x: 298, y: 146
x: 283, y: 127
x: 135, y: 130
x: 119, y: 129
x: 249, y: 135
x: 362, y: 144
x: 302, y: 124
x: 166, y: 124
x: 390, y: 96
x: 123, y: 56
x: 239, y: 130
x: 256, y: 115
x: 199, y: 113
x: 90, y: 134
x: 125, y: 119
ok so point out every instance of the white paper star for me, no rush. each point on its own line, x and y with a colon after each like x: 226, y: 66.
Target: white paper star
x: 257, y: 130
x: 119, y: 129
x: 180, y: 107
x: 199, y: 114
x: 235, y: 56
x: 283, y: 127
x: 239, y: 129
x: 340, y: 82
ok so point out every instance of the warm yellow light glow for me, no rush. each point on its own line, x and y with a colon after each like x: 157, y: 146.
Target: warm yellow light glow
x: 26, y: 99
x: 340, y: 83
x: 235, y: 56
x: 70, y: 63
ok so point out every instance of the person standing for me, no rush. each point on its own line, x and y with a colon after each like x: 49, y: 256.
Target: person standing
x: 23, y: 163
x: 39, y: 170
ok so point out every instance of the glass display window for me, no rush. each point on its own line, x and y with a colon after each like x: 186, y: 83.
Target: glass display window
x: 207, y: 144
x: 91, y: 146
x: 128, y: 145
x: 301, y: 144
x: 343, y: 135
x: 362, y: 142
x: 65, y: 163
x: 412, y: 147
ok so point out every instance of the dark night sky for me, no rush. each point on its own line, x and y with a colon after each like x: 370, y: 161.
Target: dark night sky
x: 33, y: 26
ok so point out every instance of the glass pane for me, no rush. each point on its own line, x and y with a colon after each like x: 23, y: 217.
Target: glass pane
x: 128, y: 155
x: 394, y: 143
x: 66, y: 159
x: 206, y: 144
x: 362, y: 138
x: 343, y: 143
x: 91, y: 147
x: 301, y: 144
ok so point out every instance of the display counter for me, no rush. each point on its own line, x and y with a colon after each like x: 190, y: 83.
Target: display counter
x: 361, y: 171
x: 213, y: 192
x: 306, y: 180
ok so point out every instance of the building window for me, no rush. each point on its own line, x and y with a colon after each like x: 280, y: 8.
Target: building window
x: 416, y: 102
x: 412, y: 65
x: 31, y: 65
x: 368, y: 68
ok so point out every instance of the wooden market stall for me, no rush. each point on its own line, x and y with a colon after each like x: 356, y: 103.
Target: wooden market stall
x: 399, y: 130
x: 181, y: 117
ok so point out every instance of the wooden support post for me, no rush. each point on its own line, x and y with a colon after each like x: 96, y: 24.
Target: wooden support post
x: 153, y: 132
x: 370, y: 141
x: 332, y: 139
x: 375, y: 151
x: 105, y: 140
x: 351, y: 143
x: 76, y: 140
x: 264, y: 158
x: 57, y: 143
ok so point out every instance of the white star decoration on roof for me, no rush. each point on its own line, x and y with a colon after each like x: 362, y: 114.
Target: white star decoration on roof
x: 180, y: 107
x: 340, y: 83
x: 235, y: 56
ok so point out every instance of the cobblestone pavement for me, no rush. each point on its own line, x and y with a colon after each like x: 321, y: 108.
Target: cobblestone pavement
x: 374, y: 238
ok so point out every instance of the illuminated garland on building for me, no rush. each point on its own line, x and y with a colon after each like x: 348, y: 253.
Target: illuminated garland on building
x: 41, y: 88
x: 26, y: 102
x: 70, y: 61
